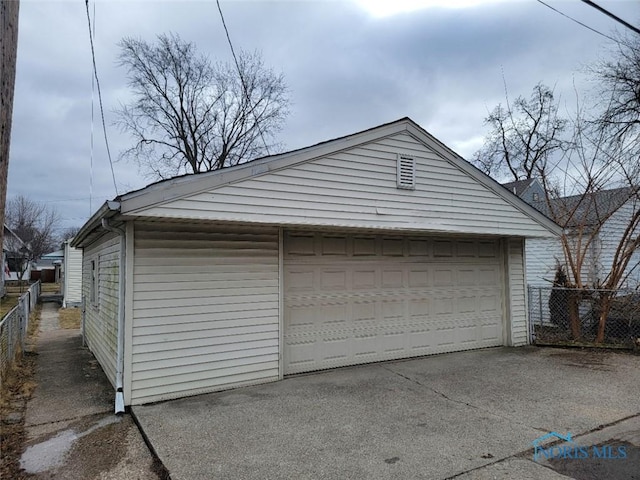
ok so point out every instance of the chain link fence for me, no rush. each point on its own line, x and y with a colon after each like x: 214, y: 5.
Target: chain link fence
x: 13, y: 328
x: 563, y: 316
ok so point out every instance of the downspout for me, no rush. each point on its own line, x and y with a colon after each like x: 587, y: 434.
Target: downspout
x: 119, y: 406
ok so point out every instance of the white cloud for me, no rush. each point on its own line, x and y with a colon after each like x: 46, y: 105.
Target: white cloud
x: 385, y: 8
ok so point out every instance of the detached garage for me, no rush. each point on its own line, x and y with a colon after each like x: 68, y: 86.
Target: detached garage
x: 380, y: 245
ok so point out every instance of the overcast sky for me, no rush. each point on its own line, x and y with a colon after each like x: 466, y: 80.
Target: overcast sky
x: 350, y: 65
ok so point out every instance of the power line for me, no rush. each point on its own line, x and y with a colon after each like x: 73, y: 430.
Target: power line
x: 577, y: 21
x: 244, y: 86
x: 95, y: 72
x: 609, y: 14
x: 93, y: 87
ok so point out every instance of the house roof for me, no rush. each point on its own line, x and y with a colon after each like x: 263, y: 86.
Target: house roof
x: 518, y: 187
x: 586, y: 210
x: 134, y: 202
x: 11, y: 241
x: 53, y: 255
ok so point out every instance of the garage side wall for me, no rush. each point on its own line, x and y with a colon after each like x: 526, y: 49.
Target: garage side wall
x: 517, y: 298
x: 100, y: 283
x: 205, y: 309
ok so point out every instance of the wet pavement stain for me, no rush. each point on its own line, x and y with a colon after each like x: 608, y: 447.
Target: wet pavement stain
x: 51, y: 453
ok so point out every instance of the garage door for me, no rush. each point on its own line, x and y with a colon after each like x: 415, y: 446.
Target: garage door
x: 353, y: 299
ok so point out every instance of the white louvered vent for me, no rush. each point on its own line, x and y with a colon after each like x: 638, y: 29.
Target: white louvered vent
x: 406, y: 172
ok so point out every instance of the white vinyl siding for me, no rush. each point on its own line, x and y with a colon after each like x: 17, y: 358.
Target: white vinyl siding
x: 517, y: 293
x: 72, y: 283
x: 358, y: 188
x: 101, y: 316
x: 362, y: 298
x: 610, y: 237
x: 543, y: 256
x: 205, y: 308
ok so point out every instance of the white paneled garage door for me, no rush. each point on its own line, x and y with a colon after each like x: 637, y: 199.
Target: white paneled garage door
x: 353, y: 299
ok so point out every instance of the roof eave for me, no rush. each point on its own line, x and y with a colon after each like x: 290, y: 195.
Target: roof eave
x: 108, y: 209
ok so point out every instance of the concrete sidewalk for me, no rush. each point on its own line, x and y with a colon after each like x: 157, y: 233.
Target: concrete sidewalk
x: 70, y: 427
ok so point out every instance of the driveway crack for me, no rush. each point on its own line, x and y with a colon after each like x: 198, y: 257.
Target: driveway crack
x: 462, y: 402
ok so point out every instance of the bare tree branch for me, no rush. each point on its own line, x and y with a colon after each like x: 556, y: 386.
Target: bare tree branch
x: 522, y: 139
x: 189, y: 115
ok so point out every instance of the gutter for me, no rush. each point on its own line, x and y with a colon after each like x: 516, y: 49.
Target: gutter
x: 119, y: 401
x: 107, y: 210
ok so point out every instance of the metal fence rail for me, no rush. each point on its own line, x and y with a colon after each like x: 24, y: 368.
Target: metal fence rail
x: 584, y: 316
x: 14, y: 326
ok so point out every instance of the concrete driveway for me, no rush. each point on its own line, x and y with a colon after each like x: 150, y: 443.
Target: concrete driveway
x: 470, y: 415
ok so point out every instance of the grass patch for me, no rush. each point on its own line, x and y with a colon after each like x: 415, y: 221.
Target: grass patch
x: 34, y: 325
x: 7, y: 302
x: 49, y: 288
x: 69, y: 318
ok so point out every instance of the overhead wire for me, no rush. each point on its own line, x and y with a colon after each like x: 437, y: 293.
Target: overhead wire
x: 242, y: 81
x: 577, y: 21
x: 95, y: 73
x: 93, y: 87
x: 612, y: 15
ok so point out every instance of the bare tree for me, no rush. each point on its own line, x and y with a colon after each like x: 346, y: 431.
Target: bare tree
x: 35, y: 223
x: 68, y: 233
x: 522, y: 137
x: 589, y: 181
x: 619, y: 85
x: 189, y: 115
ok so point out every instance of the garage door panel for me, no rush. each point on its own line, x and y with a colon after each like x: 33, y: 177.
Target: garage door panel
x: 360, y: 299
x: 332, y: 280
x: 299, y: 280
x: 364, y: 279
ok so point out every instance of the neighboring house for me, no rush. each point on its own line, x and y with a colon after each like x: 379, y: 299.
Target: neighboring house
x: 530, y: 190
x: 49, y: 266
x: 611, y: 208
x: 379, y: 245
x: 71, y: 276
x: 14, y: 257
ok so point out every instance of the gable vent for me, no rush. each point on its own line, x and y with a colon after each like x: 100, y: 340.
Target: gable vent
x: 406, y: 172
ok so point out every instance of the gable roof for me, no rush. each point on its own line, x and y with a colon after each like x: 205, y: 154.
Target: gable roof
x: 11, y: 241
x: 587, y: 210
x: 137, y: 202
x: 518, y: 187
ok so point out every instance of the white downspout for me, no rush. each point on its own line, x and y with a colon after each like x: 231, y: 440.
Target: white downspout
x: 119, y: 406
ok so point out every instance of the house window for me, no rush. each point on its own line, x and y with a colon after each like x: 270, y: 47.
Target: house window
x: 406, y: 167
x: 94, y: 283
x: 536, y: 197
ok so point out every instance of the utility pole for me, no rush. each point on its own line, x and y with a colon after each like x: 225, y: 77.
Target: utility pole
x: 8, y: 54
